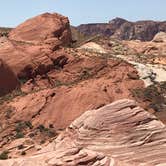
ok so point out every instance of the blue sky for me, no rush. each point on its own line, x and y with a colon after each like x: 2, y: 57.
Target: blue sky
x: 13, y: 12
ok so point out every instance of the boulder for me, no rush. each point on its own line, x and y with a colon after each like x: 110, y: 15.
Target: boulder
x: 42, y: 28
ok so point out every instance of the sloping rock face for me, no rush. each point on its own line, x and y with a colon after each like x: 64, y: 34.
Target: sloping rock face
x: 125, y: 30
x: 117, y: 134
x: 99, y: 83
x: 30, y: 49
x: 42, y: 28
x: 8, y: 80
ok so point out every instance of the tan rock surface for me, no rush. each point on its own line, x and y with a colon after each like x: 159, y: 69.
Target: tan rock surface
x: 160, y: 37
x: 117, y: 134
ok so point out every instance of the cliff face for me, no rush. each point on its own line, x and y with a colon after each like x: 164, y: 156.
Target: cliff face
x: 125, y: 30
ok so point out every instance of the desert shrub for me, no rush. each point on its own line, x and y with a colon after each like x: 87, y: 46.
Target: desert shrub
x: 23, y: 125
x: 20, y: 126
x: 4, y: 155
x: 46, y: 131
x: 19, y: 135
x: 154, y: 94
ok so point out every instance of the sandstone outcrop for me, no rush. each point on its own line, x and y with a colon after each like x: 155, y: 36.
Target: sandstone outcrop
x: 117, y: 134
x: 8, y: 80
x: 43, y: 28
x: 30, y: 49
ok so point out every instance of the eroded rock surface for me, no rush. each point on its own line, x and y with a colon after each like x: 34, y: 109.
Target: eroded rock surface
x: 119, y: 134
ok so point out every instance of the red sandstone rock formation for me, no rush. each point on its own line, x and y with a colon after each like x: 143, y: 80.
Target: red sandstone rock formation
x: 43, y: 28
x: 30, y: 49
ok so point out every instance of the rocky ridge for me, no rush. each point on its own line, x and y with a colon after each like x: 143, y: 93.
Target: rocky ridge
x: 124, y: 30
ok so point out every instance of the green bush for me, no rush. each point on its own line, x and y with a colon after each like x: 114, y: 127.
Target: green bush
x: 4, y: 155
x: 19, y: 135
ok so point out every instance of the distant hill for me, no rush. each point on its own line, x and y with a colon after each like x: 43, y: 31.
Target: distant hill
x: 125, y: 30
